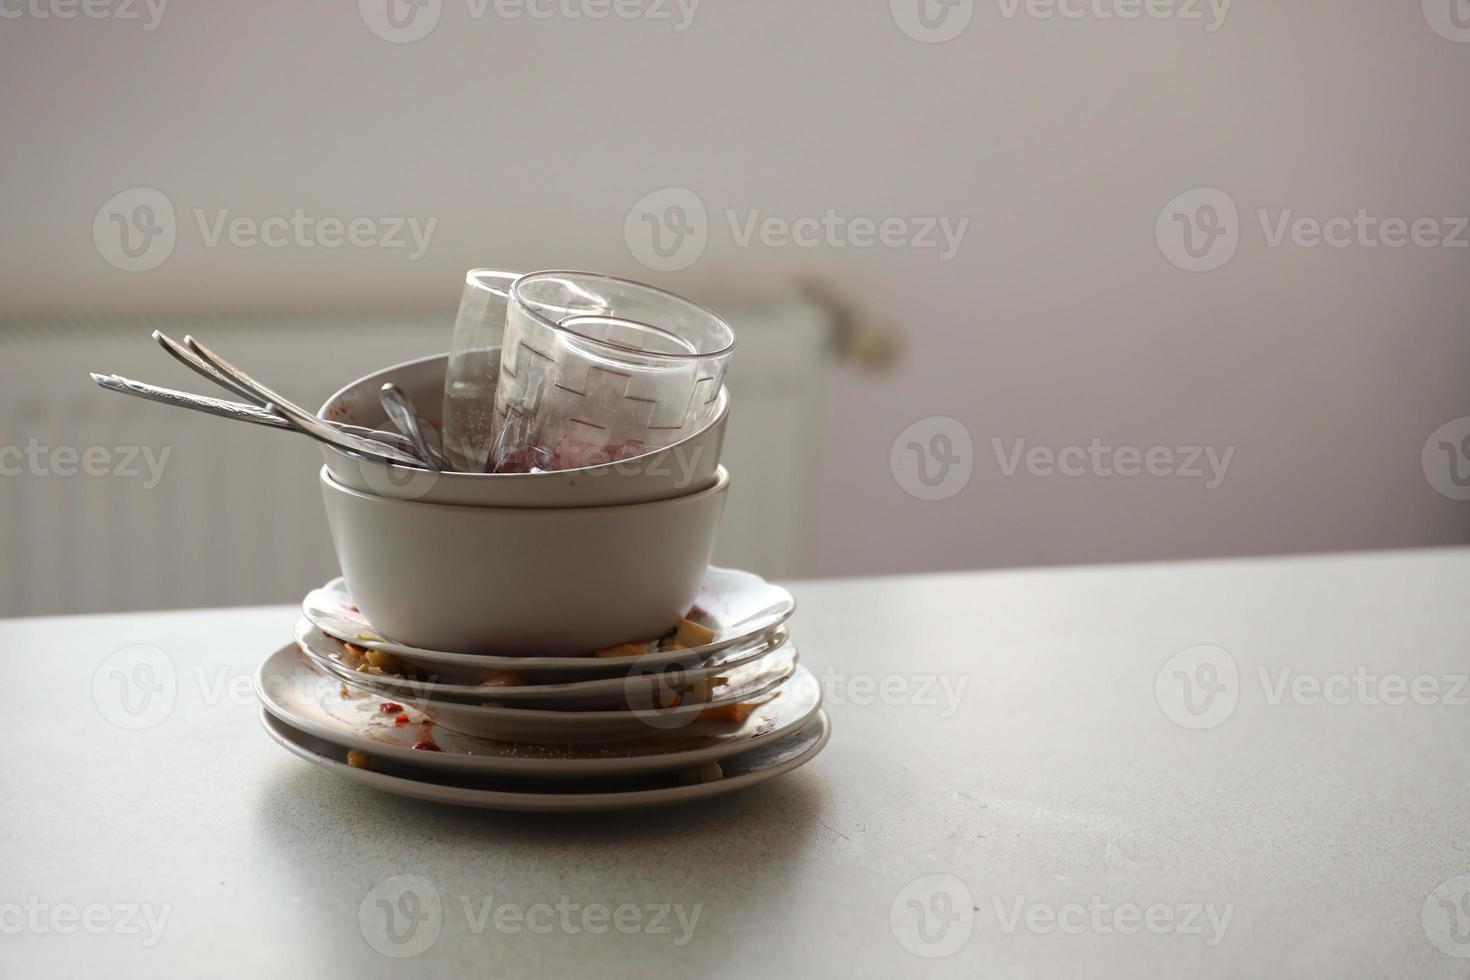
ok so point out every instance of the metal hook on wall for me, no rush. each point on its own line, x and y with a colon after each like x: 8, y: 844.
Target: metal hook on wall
x: 875, y: 345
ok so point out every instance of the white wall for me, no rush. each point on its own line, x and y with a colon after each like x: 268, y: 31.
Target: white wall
x: 1059, y: 319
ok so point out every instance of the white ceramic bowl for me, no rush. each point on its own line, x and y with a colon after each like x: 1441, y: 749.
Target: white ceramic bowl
x: 543, y: 581
x: 669, y: 472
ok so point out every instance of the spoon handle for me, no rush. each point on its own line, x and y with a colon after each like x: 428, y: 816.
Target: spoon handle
x: 401, y: 412
x: 191, y: 360
x: 298, y: 416
x: 238, y: 411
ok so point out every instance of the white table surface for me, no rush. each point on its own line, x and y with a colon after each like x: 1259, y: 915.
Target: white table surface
x: 1059, y: 788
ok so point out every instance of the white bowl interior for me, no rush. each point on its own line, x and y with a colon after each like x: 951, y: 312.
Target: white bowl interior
x: 423, y: 381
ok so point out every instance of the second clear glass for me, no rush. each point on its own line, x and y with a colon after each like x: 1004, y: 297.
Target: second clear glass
x: 597, y: 369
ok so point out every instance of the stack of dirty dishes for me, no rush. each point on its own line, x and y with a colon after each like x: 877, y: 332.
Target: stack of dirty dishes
x: 536, y: 625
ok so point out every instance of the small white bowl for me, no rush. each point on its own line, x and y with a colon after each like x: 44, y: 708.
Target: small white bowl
x: 548, y: 581
x: 682, y: 468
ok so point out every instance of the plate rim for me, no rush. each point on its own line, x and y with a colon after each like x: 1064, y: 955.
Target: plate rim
x: 486, y: 799
x: 769, y: 643
x: 550, y: 768
x: 534, y: 715
x: 553, y: 663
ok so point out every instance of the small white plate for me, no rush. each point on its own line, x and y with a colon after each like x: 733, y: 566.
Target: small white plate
x: 329, y: 654
x: 288, y: 670
x: 315, y: 704
x: 737, y: 605
x: 742, y: 770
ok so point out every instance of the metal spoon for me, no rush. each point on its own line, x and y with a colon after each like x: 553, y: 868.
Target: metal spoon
x: 239, y: 411
x: 298, y: 416
x: 401, y: 412
x: 191, y: 360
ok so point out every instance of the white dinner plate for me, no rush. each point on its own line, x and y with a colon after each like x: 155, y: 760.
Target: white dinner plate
x: 331, y: 655
x: 317, y: 705
x: 746, y: 769
x: 288, y: 669
x: 737, y: 605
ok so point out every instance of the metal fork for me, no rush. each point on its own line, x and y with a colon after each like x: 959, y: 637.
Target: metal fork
x: 295, y: 414
x: 275, y: 407
x: 239, y: 411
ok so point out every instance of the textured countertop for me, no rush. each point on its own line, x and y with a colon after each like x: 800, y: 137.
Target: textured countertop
x: 1243, y: 768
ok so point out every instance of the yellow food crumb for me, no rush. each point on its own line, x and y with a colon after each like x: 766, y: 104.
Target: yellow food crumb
x: 383, y: 661
x: 505, y: 678
x: 729, y: 712
x: 710, y: 772
x: 624, y: 650
x: 692, y: 634
x: 359, y: 760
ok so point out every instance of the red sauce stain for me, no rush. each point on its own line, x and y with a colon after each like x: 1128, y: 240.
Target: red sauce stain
x: 390, y: 707
x: 401, y: 720
x: 426, y: 741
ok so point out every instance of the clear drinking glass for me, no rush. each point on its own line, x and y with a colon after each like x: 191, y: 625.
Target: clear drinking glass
x: 474, y: 366
x: 597, y: 369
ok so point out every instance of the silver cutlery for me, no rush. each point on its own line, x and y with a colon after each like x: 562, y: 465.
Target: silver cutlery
x: 401, y: 413
x: 269, y: 408
x: 192, y: 361
x: 239, y: 411
x: 298, y: 416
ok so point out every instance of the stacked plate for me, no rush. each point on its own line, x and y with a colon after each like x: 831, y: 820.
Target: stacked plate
x: 718, y: 704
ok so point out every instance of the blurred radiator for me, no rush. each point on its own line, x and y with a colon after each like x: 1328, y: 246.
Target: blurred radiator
x: 108, y: 503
